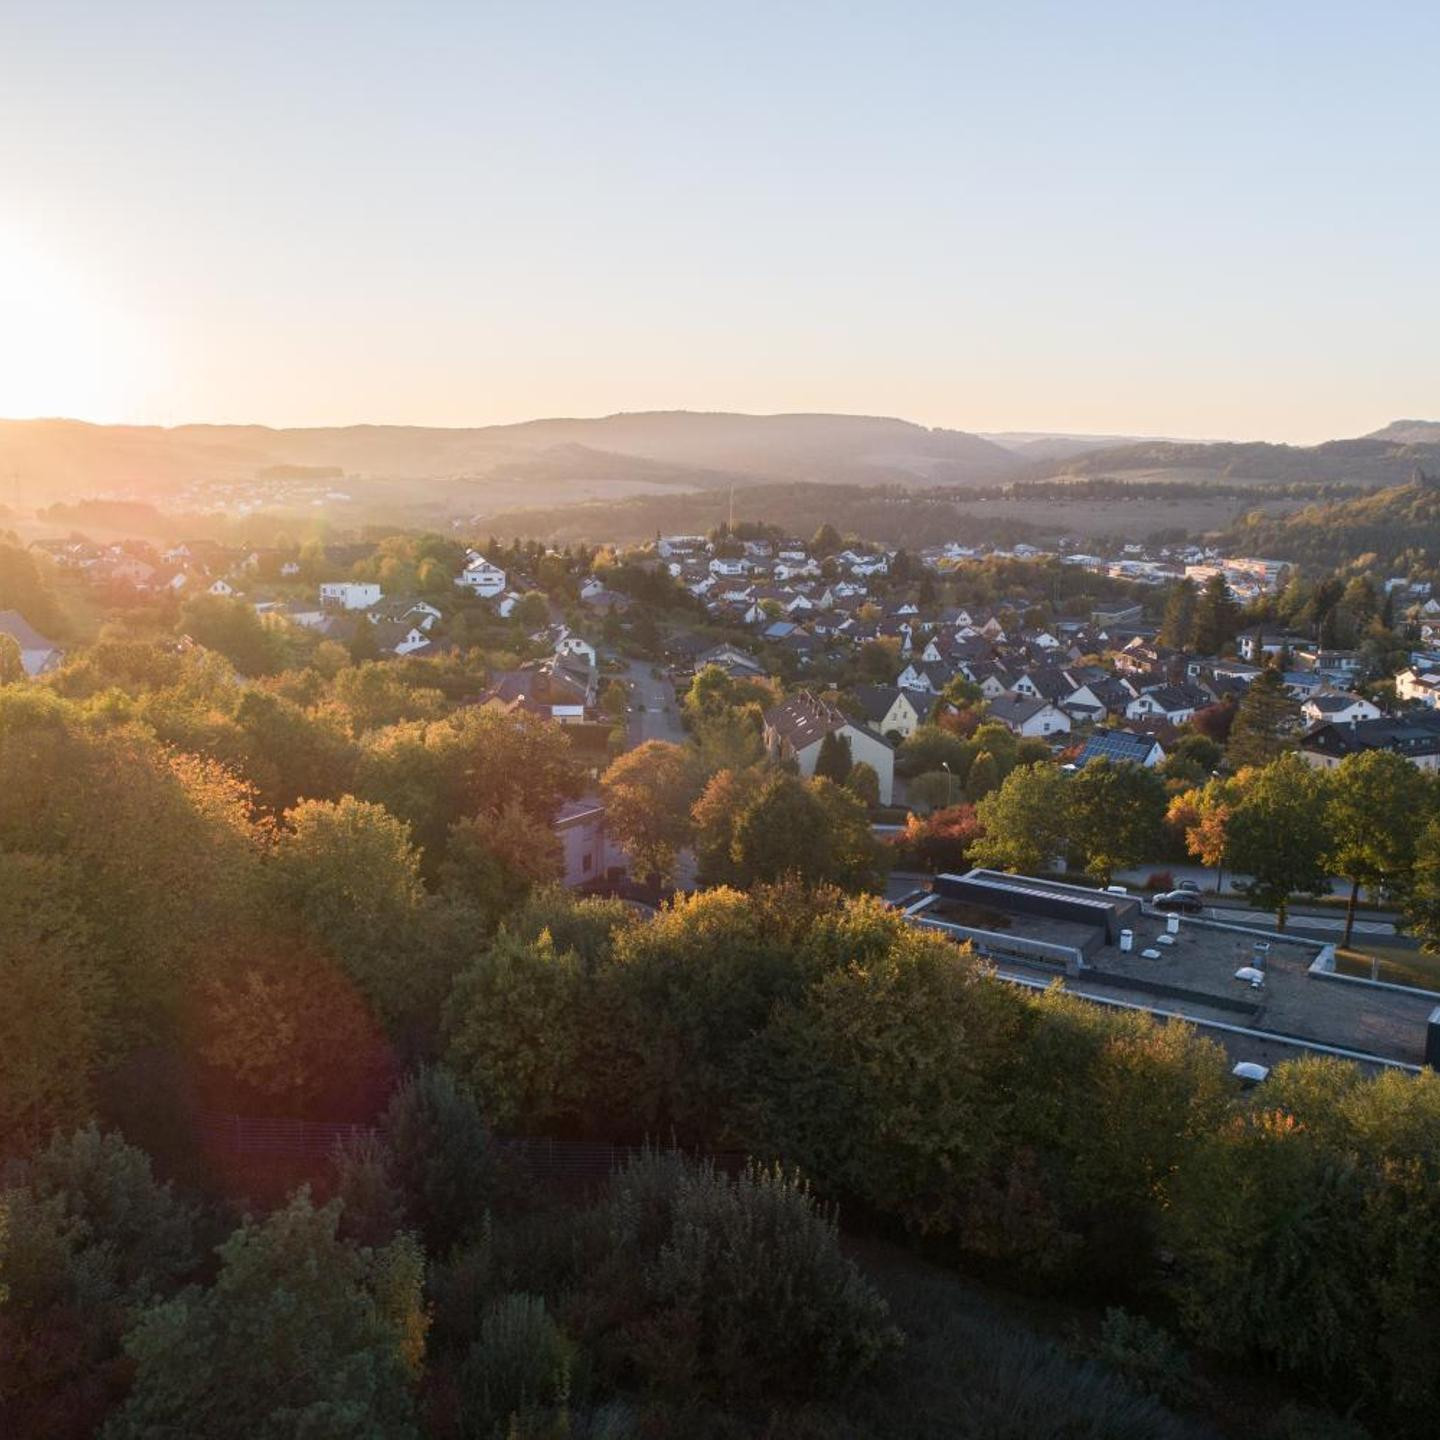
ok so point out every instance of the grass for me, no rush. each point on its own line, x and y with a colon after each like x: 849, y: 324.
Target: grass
x: 1396, y: 965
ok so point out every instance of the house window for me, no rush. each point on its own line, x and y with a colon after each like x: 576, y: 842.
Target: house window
x: 586, y: 863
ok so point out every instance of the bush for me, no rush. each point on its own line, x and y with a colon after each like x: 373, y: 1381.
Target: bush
x: 517, y: 1374
x: 441, y: 1157
x: 732, y: 1289
x: 1145, y: 1354
x: 1160, y: 880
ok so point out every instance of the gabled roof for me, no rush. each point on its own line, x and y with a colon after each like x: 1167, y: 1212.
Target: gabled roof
x: 803, y: 719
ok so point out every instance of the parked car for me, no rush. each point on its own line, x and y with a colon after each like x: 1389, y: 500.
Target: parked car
x: 1189, y: 885
x: 1182, y: 902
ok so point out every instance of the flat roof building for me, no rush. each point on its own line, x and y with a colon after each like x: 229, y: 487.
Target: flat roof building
x: 1110, y: 948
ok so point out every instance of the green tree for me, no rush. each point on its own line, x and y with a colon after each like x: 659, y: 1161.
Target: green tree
x: 492, y: 862
x: 532, y: 610
x: 714, y: 817
x: 1177, y: 628
x: 1116, y: 814
x: 1279, y: 835
x: 863, y: 782
x: 515, y: 1032
x: 984, y: 776
x: 1217, y: 618
x: 1264, y: 724
x: 296, y: 1336
x: 441, y: 1157
x: 834, y: 761
x: 232, y: 627
x: 1025, y: 823
x: 1376, y: 809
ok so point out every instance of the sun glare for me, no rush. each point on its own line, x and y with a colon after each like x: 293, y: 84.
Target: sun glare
x: 64, y: 348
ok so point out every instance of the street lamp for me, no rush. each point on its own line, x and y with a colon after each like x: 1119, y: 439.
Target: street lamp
x: 949, y: 783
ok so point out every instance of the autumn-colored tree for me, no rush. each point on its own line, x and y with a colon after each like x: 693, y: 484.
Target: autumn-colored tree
x: 647, y: 794
x: 12, y: 663
x: 492, y: 862
x: 283, y: 1029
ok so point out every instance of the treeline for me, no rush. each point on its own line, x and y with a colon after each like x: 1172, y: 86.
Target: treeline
x: 328, y: 896
x: 1396, y: 530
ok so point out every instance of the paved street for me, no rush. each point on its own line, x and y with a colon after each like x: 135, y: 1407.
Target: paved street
x: 654, y: 713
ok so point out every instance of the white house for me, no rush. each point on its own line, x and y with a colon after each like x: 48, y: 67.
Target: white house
x: 221, y: 587
x: 577, y: 647
x: 1340, y: 707
x: 350, y: 594
x: 730, y: 569
x: 1029, y: 718
x: 1167, y: 702
x: 890, y: 710
x: 796, y: 729
x: 481, y: 578
x: 1418, y: 686
x: 586, y: 846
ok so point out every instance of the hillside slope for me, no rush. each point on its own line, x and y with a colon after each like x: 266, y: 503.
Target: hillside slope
x: 49, y: 459
x: 1395, y: 529
x: 1366, y: 461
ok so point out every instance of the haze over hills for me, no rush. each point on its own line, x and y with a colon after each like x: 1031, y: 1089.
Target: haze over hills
x: 1409, y: 432
x: 60, y: 457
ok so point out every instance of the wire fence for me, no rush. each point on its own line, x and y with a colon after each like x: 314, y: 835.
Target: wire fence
x: 277, y: 1139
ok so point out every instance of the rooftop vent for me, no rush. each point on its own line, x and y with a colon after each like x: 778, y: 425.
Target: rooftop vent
x: 1251, y: 976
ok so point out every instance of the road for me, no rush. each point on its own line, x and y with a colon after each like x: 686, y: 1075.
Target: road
x: 654, y: 714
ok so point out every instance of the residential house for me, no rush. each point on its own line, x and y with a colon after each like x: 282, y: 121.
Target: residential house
x: 37, y: 654
x: 1028, y: 717
x: 350, y: 594
x: 1174, y: 704
x: 1338, y: 706
x: 1416, y: 736
x: 796, y: 729
x: 890, y: 710
x: 482, y: 578
x: 1418, y: 687
x: 1119, y: 746
x: 588, y: 852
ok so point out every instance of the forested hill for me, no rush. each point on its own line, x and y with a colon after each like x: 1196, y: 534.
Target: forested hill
x: 1371, y: 460
x: 1396, y: 529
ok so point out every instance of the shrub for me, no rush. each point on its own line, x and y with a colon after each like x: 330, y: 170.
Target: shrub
x: 732, y: 1288
x: 1160, y: 880
x: 517, y: 1373
x: 1146, y: 1354
x: 441, y: 1157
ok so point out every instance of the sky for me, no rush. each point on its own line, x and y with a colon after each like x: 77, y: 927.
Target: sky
x: 1173, y: 218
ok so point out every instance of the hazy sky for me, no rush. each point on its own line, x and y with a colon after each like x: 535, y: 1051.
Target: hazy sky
x: 1211, y: 219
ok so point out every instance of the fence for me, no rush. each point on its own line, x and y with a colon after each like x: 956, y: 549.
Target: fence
x: 245, y: 1137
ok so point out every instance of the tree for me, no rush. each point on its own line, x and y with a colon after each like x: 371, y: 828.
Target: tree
x: 1115, y: 816
x: 1279, y: 835
x: 232, y: 627
x: 934, y: 790
x: 515, y: 1032
x: 647, y: 795
x: 714, y: 817
x: 825, y: 542
x: 300, y: 1334
x: 1202, y: 815
x: 879, y: 660
x: 1177, y: 629
x: 863, y: 782
x: 1264, y: 723
x: 1376, y: 809
x: 441, y: 1157
x: 532, y: 610
x: 856, y: 858
x: 1217, y: 618
x: 984, y: 776
x: 287, y: 1030
x: 493, y: 862
x: 12, y: 664
x: 1422, y: 896
x: 834, y: 761
x: 1025, y: 822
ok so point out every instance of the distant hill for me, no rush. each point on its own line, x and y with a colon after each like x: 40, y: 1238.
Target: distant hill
x: 1396, y: 529
x: 50, y: 459
x: 1409, y: 432
x: 1367, y: 461
x: 1042, y: 445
